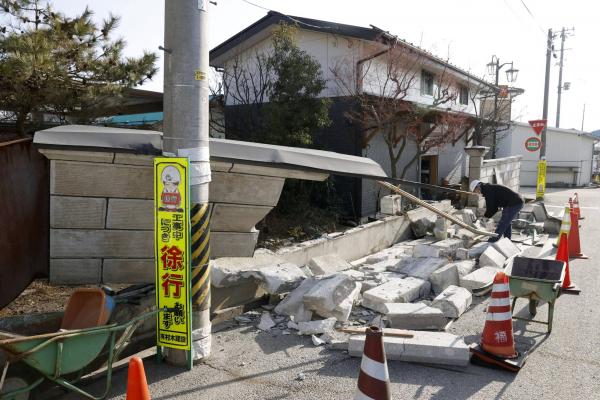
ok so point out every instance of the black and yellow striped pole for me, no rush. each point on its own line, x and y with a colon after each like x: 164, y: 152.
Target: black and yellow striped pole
x: 200, y: 245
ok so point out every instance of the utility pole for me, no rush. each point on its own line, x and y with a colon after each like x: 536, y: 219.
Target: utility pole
x: 583, y: 117
x: 186, y: 119
x: 546, y: 90
x: 563, y: 35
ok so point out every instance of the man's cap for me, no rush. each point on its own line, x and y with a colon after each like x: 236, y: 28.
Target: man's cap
x: 474, y: 184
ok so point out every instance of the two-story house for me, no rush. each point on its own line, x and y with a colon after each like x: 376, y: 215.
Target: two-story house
x: 358, y: 61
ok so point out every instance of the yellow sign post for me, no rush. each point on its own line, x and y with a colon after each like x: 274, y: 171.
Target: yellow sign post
x: 172, y: 252
x: 541, y: 180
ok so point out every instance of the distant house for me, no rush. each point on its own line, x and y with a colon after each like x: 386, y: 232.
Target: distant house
x: 361, y: 52
x: 569, y: 155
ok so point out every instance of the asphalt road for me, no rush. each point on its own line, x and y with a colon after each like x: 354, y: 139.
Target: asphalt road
x: 247, y: 364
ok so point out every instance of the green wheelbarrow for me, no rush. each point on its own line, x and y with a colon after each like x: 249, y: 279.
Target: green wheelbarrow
x: 536, y: 280
x: 58, y: 356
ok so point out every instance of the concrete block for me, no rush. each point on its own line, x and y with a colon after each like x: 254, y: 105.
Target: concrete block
x: 72, y: 178
x: 277, y: 278
x: 130, y: 214
x: 316, y: 327
x: 236, y: 217
x: 332, y: 296
x: 453, y: 301
x: 479, y: 278
x: 134, y: 271
x: 424, y: 347
x: 77, y: 212
x: 448, y: 247
x: 475, y: 251
x: 391, y: 204
x: 465, y: 267
x: 328, y: 264
x: 74, y: 243
x: 245, y: 189
x: 75, y: 271
x: 233, y: 244
x: 293, y: 304
x: 390, y: 264
x: 421, y: 221
x: 425, y: 250
x: 355, y: 275
x: 444, y: 277
x: 414, y: 316
x: 506, y: 247
x: 492, y: 258
x: 395, y: 291
x: 422, y: 268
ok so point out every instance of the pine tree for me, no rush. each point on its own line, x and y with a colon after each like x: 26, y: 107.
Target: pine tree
x: 65, y: 66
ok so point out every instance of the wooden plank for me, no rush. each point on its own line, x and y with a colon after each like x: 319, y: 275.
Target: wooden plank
x: 245, y: 189
x: 88, y: 156
x: 117, y: 270
x: 130, y: 214
x: 77, y: 212
x: 100, y: 180
x: 75, y: 243
x: 237, y: 218
x: 75, y: 271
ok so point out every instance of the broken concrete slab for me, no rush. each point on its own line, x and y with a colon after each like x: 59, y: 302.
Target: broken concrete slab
x: 506, y: 247
x: 316, y: 327
x: 479, y: 278
x: 422, y: 268
x: 278, y: 278
x: 491, y: 258
x: 424, y: 347
x: 354, y: 274
x: 332, y: 296
x: 266, y: 322
x: 465, y: 267
x: 443, y: 277
x: 328, y: 264
x: 293, y: 304
x: 414, y: 316
x: 473, y: 252
x: 228, y: 271
x: 453, y: 301
x: 395, y: 291
x: 421, y: 220
x: 425, y: 250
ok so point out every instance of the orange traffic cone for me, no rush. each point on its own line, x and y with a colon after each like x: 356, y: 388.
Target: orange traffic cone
x: 574, y: 245
x: 497, y: 337
x: 563, y: 255
x: 576, y: 206
x: 373, y: 380
x: 137, y: 387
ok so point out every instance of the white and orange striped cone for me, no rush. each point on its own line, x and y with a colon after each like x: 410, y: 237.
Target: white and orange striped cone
x: 565, y: 226
x: 373, y: 380
x: 497, y: 337
x: 576, y: 206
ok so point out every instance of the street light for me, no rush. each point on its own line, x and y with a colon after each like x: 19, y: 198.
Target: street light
x: 512, y: 73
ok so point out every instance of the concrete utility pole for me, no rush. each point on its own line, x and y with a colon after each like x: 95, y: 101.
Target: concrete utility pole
x: 186, y: 119
x: 546, y: 90
x: 563, y: 35
x: 583, y: 117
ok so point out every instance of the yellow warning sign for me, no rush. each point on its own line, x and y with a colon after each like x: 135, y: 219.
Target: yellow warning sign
x: 541, y: 180
x: 171, y: 252
x: 199, y: 75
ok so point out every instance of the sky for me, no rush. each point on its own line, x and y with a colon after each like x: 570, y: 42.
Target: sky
x: 468, y: 32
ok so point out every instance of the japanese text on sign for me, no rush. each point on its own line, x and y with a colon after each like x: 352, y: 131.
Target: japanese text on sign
x: 171, y: 242
x: 541, y: 180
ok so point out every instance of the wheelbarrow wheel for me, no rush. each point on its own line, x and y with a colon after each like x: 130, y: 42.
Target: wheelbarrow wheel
x: 12, y: 383
x: 533, y: 304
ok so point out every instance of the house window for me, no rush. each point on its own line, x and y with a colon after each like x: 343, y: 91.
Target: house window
x: 463, y: 95
x: 426, y: 83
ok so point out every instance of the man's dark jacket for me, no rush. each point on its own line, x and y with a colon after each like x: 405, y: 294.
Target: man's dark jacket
x: 497, y: 196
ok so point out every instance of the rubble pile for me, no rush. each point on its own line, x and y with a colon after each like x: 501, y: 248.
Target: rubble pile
x: 418, y: 285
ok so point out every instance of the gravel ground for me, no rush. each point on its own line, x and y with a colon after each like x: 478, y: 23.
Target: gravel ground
x: 249, y: 364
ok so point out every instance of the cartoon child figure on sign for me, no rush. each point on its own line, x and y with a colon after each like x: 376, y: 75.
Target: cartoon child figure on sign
x: 170, y: 198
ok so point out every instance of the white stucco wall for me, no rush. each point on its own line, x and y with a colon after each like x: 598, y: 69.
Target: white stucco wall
x: 568, y: 153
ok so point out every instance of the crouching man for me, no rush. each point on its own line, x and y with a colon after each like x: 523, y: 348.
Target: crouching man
x: 498, y: 196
